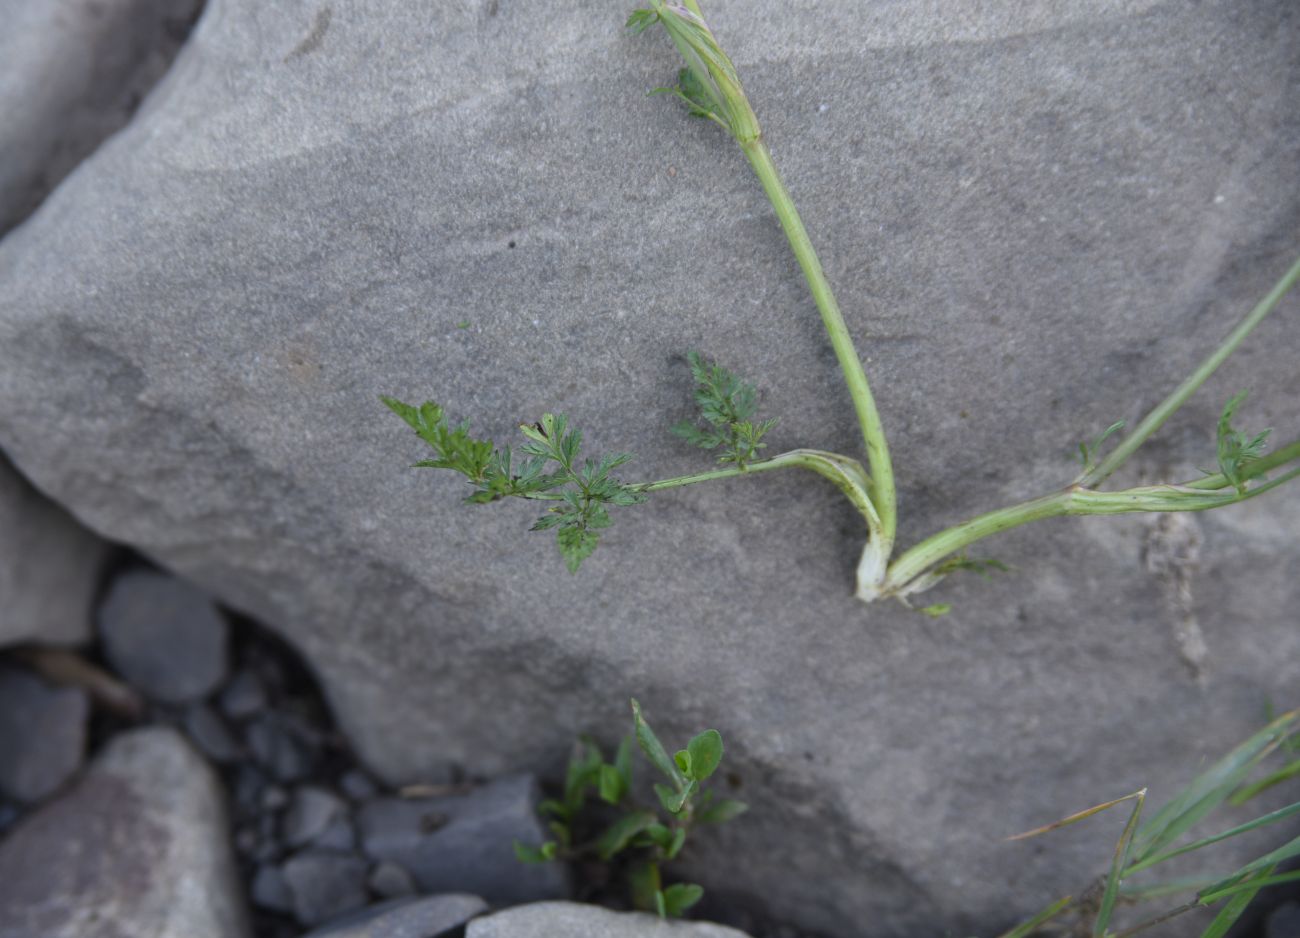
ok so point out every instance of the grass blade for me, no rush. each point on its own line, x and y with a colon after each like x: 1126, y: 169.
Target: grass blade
x: 1236, y: 905
x: 1211, y: 788
x: 1269, y: 860
x: 1029, y: 927
x: 1075, y: 818
x: 1263, y: 821
x: 1265, y: 783
x: 1122, y: 850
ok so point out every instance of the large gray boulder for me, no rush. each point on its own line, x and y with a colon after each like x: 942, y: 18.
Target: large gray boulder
x: 1037, y: 221
x: 545, y: 919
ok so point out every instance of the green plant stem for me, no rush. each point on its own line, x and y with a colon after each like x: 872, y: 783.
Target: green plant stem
x: 1166, y: 408
x: 873, y: 433
x: 847, y: 474
x: 1278, y: 457
x: 1074, y: 500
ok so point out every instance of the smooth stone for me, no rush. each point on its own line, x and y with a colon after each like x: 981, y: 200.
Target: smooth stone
x: 357, y: 785
x: 572, y: 920
x: 270, y: 889
x: 465, y: 843
x: 390, y: 880
x: 139, y: 846
x: 325, y: 885
x: 164, y: 636
x: 427, y: 917
x: 244, y: 696
x: 49, y: 563
x: 312, y: 811
x: 42, y: 734
x: 207, y: 731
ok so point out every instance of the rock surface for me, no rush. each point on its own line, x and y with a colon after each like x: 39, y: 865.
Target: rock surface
x: 42, y: 734
x: 549, y: 919
x: 164, y: 636
x: 75, y: 70
x: 1037, y: 219
x: 428, y: 917
x: 465, y: 843
x: 138, y: 847
x: 49, y: 566
x: 325, y: 885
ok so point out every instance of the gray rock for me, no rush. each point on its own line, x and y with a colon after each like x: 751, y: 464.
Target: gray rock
x: 270, y: 890
x: 281, y: 747
x: 244, y: 696
x: 572, y: 920
x: 42, y: 734
x: 1284, y: 921
x: 465, y: 843
x: 1037, y: 222
x: 312, y: 811
x: 207, y: 731
x: 139, y: 846
x: 74, y: 73
x: 390, y: 880
x: 340, y: 835
x: 49, y: 564
x: 427, y: 917
x: 325, y: 885
x: 164, y: 636
x: 357, y: 785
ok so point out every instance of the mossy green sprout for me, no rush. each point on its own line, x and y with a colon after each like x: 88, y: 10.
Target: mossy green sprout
x: 711, y: 89
x: 640, y: 838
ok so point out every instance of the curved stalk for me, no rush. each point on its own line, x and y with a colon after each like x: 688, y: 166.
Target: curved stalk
x: 873, y: 431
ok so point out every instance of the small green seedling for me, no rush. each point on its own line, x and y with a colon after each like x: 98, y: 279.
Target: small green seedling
x: 1143, y: 845
x: 645, y: 837
x: 583, y: 492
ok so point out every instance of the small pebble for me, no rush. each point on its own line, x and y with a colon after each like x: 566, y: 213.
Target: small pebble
x: 357, y: 785
x: 207, y: 731
x: 274, y: 798
x: 270, y: 890
x: 42, y: 735
x: 311, y: 812
x: 325, y: 885
x: 428, y: 917
x: 244, y: 696
x: 340, y: 835
x: 391, y: 880
x: 164, y: 636
x: 279, y: 749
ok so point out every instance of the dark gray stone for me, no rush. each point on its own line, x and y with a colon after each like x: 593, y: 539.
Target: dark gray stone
x: 164, y: 636
x: 340, y: 835
x: 312, y: 811
x: 75, y: 71
x: 325, y: 885
x: 552, y: 919
x: 42, y: 734
x: 280, y: 747
x: 465, y: 843
x: 1038, y: 218
x: 428, y: 917
x: 244, y: 696
x: 207, y: 731
x: 270, y: 890
x: 49, y: 564
x: 357, y: 785
x: 390, y: 880
x: 1284, y: 921
x: 138, y: 846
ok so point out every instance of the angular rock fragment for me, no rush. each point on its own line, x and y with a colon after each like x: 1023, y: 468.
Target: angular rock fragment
x: 465, y: 843
x: 324, y: 885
